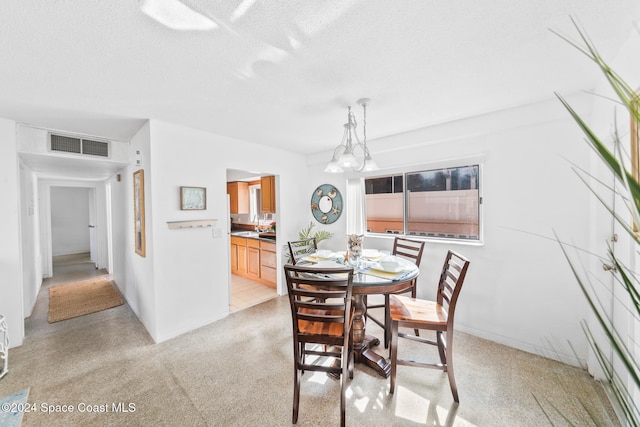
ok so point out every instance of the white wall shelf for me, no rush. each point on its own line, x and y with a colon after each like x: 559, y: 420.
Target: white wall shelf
x: 196, y: 223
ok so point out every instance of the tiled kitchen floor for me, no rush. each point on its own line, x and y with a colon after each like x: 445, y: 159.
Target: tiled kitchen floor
x: 245, y: 293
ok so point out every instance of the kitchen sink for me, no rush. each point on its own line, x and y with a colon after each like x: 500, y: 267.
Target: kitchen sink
x: 254, y: 234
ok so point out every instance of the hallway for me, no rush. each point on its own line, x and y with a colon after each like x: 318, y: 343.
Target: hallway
x: 66, y: 268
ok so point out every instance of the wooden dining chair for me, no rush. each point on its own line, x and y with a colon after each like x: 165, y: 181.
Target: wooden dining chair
x: 301, y: 248
x: 430, y: 315
x: 322, y: 315
x: 408, y: 249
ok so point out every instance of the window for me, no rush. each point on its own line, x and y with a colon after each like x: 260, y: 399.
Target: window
x: 440, y: 203
x: 254, y: 202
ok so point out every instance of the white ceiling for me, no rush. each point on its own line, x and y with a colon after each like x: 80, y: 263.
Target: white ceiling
x: 281, y: 73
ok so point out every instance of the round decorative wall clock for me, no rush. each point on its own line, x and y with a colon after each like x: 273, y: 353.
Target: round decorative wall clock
x: 326, y: 204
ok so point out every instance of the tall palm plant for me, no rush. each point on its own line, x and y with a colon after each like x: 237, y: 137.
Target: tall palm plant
x: 624, y: 385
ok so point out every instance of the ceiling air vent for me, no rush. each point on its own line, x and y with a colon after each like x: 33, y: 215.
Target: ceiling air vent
x: 95, y: 148
x: 88, y: 147
x: 65, y: 143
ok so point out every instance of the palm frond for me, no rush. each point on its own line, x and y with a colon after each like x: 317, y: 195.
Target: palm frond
x: 308, y: 233
x: 628, y: 191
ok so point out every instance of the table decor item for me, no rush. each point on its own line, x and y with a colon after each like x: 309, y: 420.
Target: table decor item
x: 354, y: 248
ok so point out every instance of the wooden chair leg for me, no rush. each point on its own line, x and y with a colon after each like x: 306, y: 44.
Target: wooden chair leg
x: 442, y: 347
x: 343, y: 385
x: 413, y: 295
x: 387, y: 321
x: 296, y: 396
x: 394, y: 356
x: 452, y: 380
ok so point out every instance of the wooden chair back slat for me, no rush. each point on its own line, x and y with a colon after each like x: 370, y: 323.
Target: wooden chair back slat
x: 320, y: 296
x: 453, y: 273
x: 408, y: 249
x: 300, y: 248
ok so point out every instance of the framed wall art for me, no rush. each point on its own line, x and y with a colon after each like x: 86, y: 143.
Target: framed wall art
x: 138, y: 213
x: 193, y: 198
x: 326, y: 204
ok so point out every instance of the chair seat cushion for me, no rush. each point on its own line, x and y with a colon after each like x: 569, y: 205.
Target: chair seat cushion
x: 416, y: 310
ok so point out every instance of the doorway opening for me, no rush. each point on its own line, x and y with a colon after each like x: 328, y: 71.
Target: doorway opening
x: 252, y: 241
x: 74, y: 241
x: 73, y: 221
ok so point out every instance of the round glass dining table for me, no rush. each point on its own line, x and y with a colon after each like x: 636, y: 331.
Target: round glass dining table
x: 369, y: 280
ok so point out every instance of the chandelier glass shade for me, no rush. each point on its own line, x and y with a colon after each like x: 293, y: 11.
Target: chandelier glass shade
x: 352, y: 154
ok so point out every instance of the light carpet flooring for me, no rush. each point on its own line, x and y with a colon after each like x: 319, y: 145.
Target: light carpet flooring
x: 239, y: 372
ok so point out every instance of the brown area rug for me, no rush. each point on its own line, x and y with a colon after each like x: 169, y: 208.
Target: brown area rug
x: 76, y: 299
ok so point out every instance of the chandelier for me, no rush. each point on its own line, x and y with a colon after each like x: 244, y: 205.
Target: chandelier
x: 351, y: 154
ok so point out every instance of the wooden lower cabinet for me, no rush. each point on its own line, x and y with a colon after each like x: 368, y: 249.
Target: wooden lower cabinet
x: 234, y: 257
x: 238, y: 255
x: 254, y: 259
x: 268, y: 263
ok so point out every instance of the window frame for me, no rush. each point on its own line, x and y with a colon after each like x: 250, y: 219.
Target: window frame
x: 423, y: 167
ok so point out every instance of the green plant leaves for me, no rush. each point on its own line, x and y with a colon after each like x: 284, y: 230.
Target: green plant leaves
x: 627, y: 279
x: 320, y: 235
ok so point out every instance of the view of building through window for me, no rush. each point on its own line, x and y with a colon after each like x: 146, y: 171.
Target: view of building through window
x: 442, y: 203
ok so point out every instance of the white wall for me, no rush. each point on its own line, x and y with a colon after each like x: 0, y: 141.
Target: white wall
x: 11, y: 303
x: 519, y: 289
x: 30, y: 231
x: 182, y: 283
x: 133, y: 274
x: 191, y: 265
x: 69, y: 220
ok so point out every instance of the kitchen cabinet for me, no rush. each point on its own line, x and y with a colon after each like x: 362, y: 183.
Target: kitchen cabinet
x: 239, y: 255
x: 268, y: 190
x: 254, y: 259
x: 268, y: 263
x: 238, y: 197
x: 234, y: 257
x: 242, y: 259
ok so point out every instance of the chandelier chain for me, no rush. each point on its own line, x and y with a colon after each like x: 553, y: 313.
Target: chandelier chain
x: 364, y: 121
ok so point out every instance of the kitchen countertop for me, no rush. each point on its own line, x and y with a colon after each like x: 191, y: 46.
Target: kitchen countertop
x: 271, y: 237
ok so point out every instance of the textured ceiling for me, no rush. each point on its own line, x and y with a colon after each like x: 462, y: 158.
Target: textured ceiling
x: 282, y: 72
